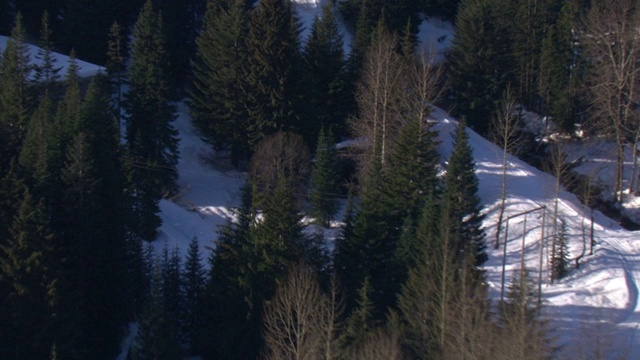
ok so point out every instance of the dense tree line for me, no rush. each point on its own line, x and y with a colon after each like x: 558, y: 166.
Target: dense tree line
x: 84, y: 167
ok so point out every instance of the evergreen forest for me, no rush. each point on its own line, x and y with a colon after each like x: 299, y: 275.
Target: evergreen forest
x: 86, y: 161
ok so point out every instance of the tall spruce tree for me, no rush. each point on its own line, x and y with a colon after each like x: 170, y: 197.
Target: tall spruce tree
x: 480, y: 60
x: 151, y: 137
x: 15, y: 70
x: 216, y: 99
x: 28, y: 265
x: 193, y: 279
x: 46, y: 72
x: 324, y: 180
x: 324, y: 77
x: 271, y: 70
x: 156, y: 337
x: 561, y: 69
x: 461, y: 209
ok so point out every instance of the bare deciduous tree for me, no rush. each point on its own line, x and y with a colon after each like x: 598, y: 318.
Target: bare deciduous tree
x: 282, y: 154
x: 300, y: 321
x: 505, y: 133
x: 380, y: 344
x: 377, y: 98
x: 614, y: 48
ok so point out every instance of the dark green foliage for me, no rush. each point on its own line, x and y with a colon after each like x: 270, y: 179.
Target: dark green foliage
x: 461, y: 217
x: 182, y: 23
x: 560, y: 258
x: 116, y: 69
x: 324, y: 181
x: 271, y: 70
x: 233, y: 331
x: 86, y: 25
x: 157, y: 332
x: 14, y: 94
x: 46, y: 74
x: 324, y: 77
x: 562, y: 69
x: 216, y: 94
x: 35, y: 154
x: 151, y: 137
x: 423, y: 254
x: 194, y: 281
x: 395, y: 13
x: 480, y: 60
x: 366, y: 250
x: 28, y: 263
x: 172, y: 292
x: 360, y: 321
x: 411, y: 171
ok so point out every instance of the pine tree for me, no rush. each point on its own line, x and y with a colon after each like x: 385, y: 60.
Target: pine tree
x: 560, y: 259
x: 427, y: 290
x: 151, y: 138
x: 216, y: 98
x: 324, y: 181
x: 560, y: 69
x: 360, y: 321
x: 156, y: 338
x: 271, y: 70
x: 15, y: 70
x: 462, y: 218
x: 46, y: 73
x: 324, y: 77
x: 116, y: 69
x: 480, y: 60
x: 28, y: 264
x: 34, y: 154
x: 193, y: 279
x: 172, y: 291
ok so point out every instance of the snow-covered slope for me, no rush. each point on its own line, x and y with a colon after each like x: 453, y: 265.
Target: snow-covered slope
x: 595, y: 308
x: 85, y: 69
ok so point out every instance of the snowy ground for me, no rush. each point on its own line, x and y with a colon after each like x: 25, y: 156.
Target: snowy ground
x: 85, y: 69
x: 595, y: 308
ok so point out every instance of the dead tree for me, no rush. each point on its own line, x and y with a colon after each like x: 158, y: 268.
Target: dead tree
x: 613, y: 46
x: 505, y: 133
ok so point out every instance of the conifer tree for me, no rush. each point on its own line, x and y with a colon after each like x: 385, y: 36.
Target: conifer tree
x: 151, y: 137
x: 560, y: 259
x: 216, y: 96
x: 28, y: 264
x: 360, y: 321
x: 226, y: 292
x: 561, y: 68
x: 172, y: 289
x: 462, y: 219
x: 15, y: 70
x: 34, y: 155
x: 271, y: 70
x: 480, y: 60
x: 193, y: 279
x: 427, y: 289
x: 324, y: 180
x: 156, y: 338
x: 116, y: 69
x: 324, y: 77
x: 46, y: 73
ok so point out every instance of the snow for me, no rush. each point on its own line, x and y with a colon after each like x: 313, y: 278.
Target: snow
x: 435, y: 37
x: 85, y: 69
x: 595, y: 308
